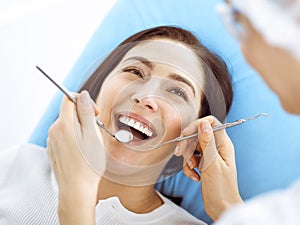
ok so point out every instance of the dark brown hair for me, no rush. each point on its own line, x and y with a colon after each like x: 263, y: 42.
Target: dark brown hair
x: 217, y: 91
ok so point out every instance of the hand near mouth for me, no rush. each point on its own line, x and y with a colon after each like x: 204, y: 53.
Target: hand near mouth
x: 217, y: 166
x: 74, y: 149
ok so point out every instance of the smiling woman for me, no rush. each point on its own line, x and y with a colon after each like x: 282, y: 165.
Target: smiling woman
x: 150, y: 82
x: 154, y: 84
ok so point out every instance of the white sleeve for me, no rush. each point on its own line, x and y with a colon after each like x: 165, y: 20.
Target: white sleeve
x: 274, y: 208
x: 6, y: 158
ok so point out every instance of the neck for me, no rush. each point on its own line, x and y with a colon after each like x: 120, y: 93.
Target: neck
x: 137, y: 199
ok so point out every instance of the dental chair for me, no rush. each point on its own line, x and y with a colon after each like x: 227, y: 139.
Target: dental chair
x: 267, y: 149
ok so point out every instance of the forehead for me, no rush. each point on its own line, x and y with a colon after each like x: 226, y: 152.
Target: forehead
x: 173, y: 54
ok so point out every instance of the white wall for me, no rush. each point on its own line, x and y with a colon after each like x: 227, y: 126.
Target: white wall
x: 48, y: 33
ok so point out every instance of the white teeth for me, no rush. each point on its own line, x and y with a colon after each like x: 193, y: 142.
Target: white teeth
x: 144, y: 130
x: 131, y: 123
x: 136, y: 125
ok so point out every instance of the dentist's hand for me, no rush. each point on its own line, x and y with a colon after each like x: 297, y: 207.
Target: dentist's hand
x: 216, y: 164
x: 73, y: 136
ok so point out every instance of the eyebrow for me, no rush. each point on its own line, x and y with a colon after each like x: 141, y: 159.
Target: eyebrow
x: 143, y: 60
x: 173, y: 76
x: 177, y: 77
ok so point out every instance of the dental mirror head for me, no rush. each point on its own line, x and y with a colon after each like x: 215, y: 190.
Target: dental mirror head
x: 123, y: 136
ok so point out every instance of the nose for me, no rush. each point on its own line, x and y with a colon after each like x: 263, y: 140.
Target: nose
x: 147, y: 102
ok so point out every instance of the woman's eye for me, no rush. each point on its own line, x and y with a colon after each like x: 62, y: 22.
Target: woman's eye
x: 179, y: 91
x: 134, y: 71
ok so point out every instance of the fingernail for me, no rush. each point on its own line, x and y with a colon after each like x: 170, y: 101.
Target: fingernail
x: 176, y: 150
x: 194, y: 178
x: 190, y: 163
x: 205, y: 126
x: 84, y: 97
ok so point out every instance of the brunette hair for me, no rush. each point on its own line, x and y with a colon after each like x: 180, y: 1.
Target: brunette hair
x: 217, y: 96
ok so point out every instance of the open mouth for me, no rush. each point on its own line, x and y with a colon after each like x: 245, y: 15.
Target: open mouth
x: 140, y: 130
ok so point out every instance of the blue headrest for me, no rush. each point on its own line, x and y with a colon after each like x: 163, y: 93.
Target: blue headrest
x: 267, y: 149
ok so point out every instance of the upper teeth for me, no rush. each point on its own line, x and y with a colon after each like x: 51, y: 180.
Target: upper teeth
x: 136, y: 125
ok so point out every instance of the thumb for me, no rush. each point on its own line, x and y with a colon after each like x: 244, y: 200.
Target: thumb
x: 207, y: 144
x: 85, y: 111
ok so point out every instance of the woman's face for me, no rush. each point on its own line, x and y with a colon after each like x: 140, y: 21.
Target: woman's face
x: 154, y: 92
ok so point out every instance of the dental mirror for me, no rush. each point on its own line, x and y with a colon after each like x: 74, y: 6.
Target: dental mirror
x: 122, y: 136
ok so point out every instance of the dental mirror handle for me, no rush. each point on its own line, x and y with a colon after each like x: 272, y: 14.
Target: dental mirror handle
x: 60, y: 87
x: 119, y: 136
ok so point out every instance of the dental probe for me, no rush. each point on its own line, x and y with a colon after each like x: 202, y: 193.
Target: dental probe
x: 215, y: 128
x: 123, y: 136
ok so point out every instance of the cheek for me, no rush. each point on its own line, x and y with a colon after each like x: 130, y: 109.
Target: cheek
x: 173, y: 122
x: 108, y: 95
x: 177, y: 117
x: 182, y: 116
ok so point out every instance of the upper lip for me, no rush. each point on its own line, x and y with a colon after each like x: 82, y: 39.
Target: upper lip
x: 136, y: 117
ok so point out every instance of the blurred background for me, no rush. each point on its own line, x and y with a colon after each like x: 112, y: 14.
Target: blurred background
x: 48, y: 33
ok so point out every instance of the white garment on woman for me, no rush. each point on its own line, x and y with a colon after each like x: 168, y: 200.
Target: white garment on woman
x: 28, y: 195
x: 275, y: 208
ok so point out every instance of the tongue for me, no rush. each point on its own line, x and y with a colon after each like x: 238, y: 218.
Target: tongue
x: 137, y: 134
